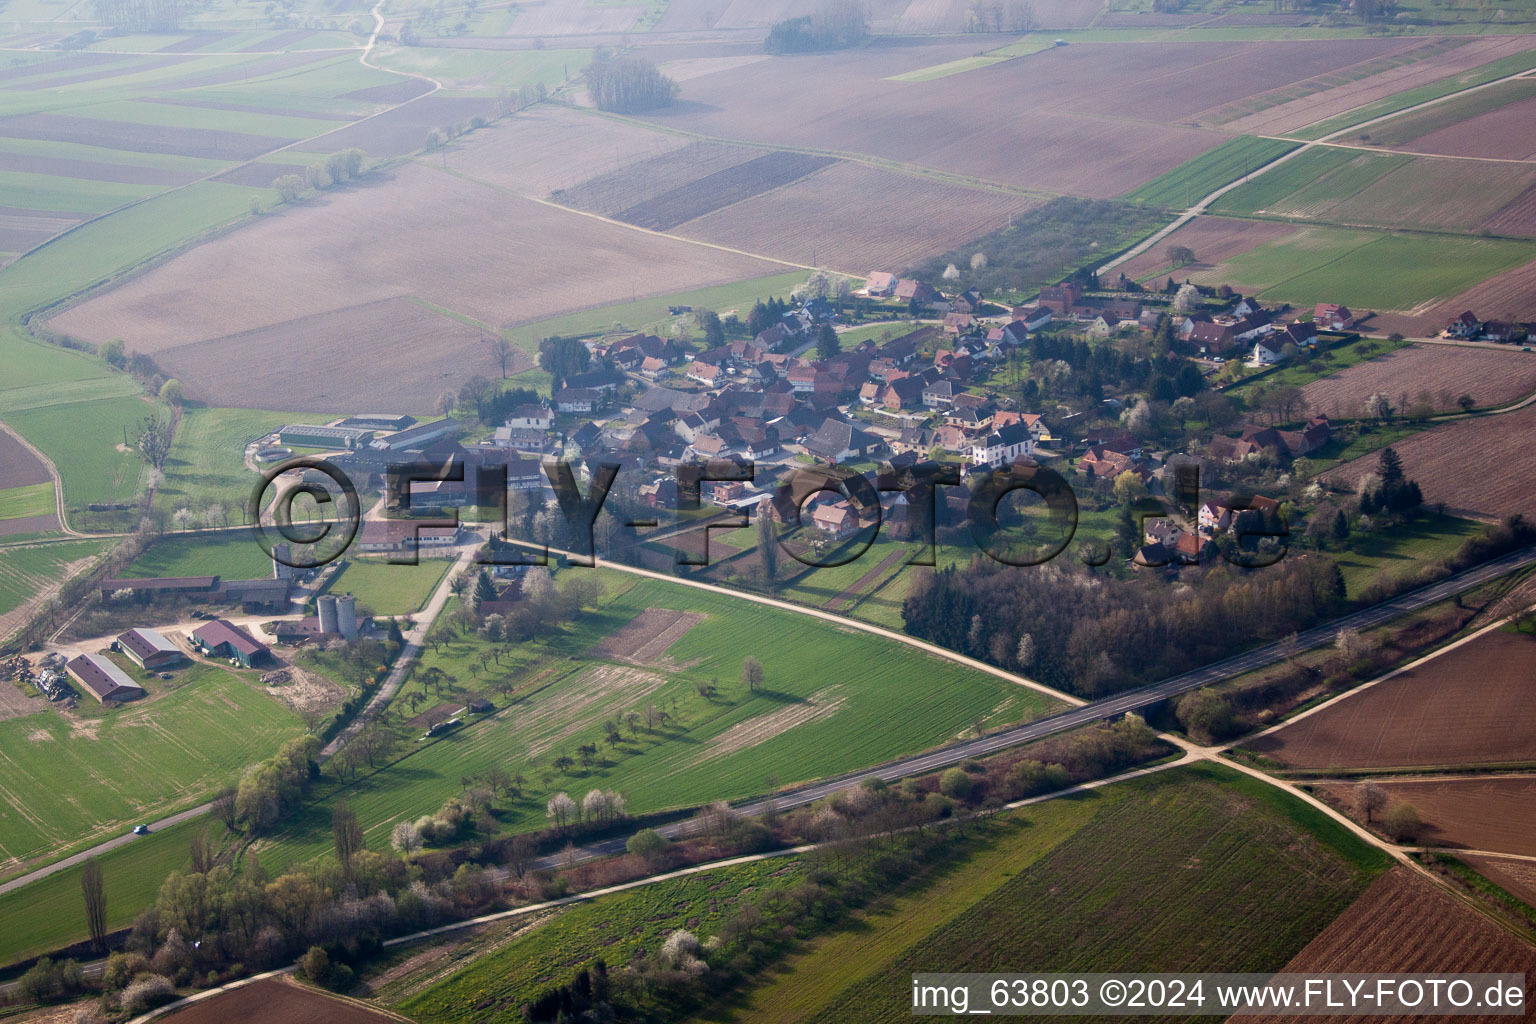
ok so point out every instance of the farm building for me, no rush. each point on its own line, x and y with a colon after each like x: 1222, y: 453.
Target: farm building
x: 397, y: 536
x: 223, y: 639
x: 102, y: 679
x: 418, y: 437
x: 307, y: 436
x: 385, y: 421
x: 262, y: 595
x: 149, y: 649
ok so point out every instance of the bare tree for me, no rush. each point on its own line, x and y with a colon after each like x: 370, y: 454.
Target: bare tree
x: 346, y: 833
x: 751, y: 674
x: 94, y: 889
x: 1370, y: 798
x: 502, y: 353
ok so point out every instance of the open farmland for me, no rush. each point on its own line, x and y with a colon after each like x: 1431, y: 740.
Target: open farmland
x: 617, y: 927
x: 1516, y: 877
x: 1365, y: 270
x: 617, y: 190
x: 1486, y: 123
x: 1070, y: 147
x: 858, y: 218
x: 1404, y: 923
x: 892, y: 701
x: 1474, y: 704
x: 1510, y: 295
x: 1213, y: 240
x: 1480, y: 468
x: 19, y: 467
x: 1443, y: 373
x: 721, y: 188
x: 362, y: 356
x: 278, y: 1001
x: 232, y: 554
x: 1469, y: 813
x: 1356, y: 187
x: 1287, y: 110
x: 1183, y: 186
x: 74, y: 779
x: 547, y: 149
x: 1517, y: 217
x: 1071, y: 891
x: 26, y: 571
x: 422, y: 234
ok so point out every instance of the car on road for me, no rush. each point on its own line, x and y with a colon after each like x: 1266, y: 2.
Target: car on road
x: 141, y: 830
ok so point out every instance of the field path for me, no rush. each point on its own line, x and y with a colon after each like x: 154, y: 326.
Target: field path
x: 58, y: 481
x: 1200, y: 207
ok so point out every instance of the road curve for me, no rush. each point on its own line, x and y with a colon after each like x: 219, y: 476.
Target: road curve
x: 1109, y: 707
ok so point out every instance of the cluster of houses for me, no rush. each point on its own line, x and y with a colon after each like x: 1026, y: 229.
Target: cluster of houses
x: 1249, y: 330
x: 1468, y: 327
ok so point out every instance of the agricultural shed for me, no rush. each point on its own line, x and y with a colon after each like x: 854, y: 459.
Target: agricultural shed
x: 102, y: 679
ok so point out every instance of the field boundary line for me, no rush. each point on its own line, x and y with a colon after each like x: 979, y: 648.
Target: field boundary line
x: 1306, y: 145
x: 630, y: 227
x: 895, y: 166
x: 1189, y: 757
x: 1409, y: 667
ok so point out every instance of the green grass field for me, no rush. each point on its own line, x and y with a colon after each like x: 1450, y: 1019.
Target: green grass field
x: 1194, y: 869
x: 49, y: 914
x: 76, y: 781
x: 1399, y: 551
x: 833, y: 700
x: 1190, y: 182
x: 23, y: 570
x: 85, y: 442
x: 1366, y: 269
x: 544, y: 956
x: 485, y: 70
x: 30, y: 500
x: 1308, y: 184
x: 386, y: 589
x: 207, y: 463
x: 234, y: 555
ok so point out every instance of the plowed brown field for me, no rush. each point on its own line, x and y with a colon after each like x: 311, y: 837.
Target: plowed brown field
x: 457, y: 244
x: 975, y: 124
x: 1474, y: 704
x: 275, y: 1001
x: 1213, y: 240
x: 1405, y: 924
x: 1490, y: 813
x: 1493, y: 377
x: 858, y: 218
x: 1481, y: 468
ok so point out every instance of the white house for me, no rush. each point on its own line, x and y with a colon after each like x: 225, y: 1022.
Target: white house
x: 531, y: 417
x: 1002, y: 446
x: 1266, y: 352
x: 1214, y: 517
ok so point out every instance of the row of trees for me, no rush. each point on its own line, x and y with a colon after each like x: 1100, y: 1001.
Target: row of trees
x: 336, y: 169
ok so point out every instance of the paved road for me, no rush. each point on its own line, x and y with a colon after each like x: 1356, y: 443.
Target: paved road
x: 1110, y: 707
x: 414, y: 639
